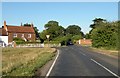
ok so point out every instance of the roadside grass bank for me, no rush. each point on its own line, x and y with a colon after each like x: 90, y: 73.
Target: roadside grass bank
x: 105, y: 51
x: 110, y: 52
x: 25, y: 61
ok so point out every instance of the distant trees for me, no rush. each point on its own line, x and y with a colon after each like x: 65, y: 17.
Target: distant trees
x: 36, y: 31
x: 104, y: 34
x: 27, y: 24
x: 60, y: 34
x: 53, y: 29
x: 73, y: 29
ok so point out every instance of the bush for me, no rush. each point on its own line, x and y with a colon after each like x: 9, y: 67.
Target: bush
x: 17, y: 39
x: 105, y: 36
x: 63, y: 39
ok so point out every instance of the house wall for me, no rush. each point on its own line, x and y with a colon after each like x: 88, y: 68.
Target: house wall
x: 5, y: 39
x: 85, y: 41
x: 19, y: 35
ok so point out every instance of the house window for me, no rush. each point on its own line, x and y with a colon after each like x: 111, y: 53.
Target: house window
x: 22, y: 35
x: 14, y: 35
x: 29, y: 35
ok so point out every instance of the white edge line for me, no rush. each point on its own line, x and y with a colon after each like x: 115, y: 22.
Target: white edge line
x: 48, y: 73
x: 105, y: 68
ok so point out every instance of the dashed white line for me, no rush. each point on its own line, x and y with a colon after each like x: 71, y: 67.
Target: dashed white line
x: 83, y: 54
x: 105, y: 68
x: 48, y: 73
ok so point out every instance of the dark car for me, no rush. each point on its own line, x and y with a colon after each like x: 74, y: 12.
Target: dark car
x: 69, y: 43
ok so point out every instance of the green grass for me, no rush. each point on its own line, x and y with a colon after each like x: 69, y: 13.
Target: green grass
x: 24, y: 61
x: 113, y: 52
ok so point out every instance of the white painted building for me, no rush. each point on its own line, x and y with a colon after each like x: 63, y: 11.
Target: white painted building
x: 3, y: 41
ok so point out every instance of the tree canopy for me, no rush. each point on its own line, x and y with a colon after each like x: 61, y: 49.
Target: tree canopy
x: 104, y: 34
x: 73, y: 29
x: 59, y: 33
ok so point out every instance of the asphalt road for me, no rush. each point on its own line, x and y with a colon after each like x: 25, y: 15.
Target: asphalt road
x: 78, y: 61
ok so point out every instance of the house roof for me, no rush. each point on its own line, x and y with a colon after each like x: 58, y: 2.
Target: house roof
x: 20, y: 29
x: 3, y: 32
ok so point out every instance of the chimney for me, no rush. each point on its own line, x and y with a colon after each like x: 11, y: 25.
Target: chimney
x: 5, y: 26
x: 31, y: 24
x: 21, y: 23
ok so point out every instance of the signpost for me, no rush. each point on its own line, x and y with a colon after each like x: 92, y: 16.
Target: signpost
x: 48, y: 36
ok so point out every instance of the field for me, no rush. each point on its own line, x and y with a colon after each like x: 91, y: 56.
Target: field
x: 24, y: 61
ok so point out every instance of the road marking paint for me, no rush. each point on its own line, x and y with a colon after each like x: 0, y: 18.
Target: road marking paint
x: 105, y: 68
x: 48, y: 73
x: 83, y: 54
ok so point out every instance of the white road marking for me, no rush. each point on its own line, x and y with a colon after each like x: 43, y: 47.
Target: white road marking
x: 105, y: 68
x: 83, y: 54
x: 48, y: 73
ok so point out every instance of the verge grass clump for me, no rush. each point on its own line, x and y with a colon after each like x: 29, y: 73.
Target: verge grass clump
x: 24, y: 61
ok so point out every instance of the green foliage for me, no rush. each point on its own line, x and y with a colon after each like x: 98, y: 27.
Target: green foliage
x: 105, y: 35
x: 87, y: 36
x: 27, y: 24
x: 36, y: 32
x: 73, y: 29
x: 53, y: 29
x: 97, y: 21
x: 18, y: 42
x: 63, y: 39
x: 51, y: 24
x: 60, y: 34
x: 30, y: 68
x: 77, y: 37
x: 17, y: 39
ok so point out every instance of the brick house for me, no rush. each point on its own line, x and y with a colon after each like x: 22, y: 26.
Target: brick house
x: 85, y: 41
x: 26, y: 33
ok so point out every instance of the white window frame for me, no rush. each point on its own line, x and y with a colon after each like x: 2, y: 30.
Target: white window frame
x: 29, y: 35
x: 14, y: 35
x: 22, y: 35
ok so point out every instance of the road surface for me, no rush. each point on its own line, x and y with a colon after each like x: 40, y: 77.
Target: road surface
x: 78, y: 61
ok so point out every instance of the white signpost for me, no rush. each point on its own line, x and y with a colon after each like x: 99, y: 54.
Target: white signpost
x: 48, y: 36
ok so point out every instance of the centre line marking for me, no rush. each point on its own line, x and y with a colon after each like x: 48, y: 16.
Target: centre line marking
x: 48, y: 73
x: 83, y: 54
x: 105, y: 68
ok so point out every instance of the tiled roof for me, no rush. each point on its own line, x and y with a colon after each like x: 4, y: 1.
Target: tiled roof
x: 20, y: 29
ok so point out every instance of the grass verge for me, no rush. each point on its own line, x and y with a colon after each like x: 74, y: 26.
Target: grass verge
x: 24, y: 61
x: 104, y: 51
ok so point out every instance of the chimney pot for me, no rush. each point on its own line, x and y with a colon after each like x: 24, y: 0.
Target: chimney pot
x: 5, y: 27
x: 31, y: 24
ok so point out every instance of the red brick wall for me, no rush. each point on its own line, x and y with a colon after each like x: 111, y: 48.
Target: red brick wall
x: 19, y: 35
x: 85, y: 41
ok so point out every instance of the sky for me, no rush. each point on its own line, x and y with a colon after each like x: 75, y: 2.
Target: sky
x: 66, y: 13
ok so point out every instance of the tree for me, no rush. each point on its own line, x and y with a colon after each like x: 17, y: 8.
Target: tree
x: 97, y: 21
x: 60, y: 34
x: 87, y: 36
x: 51, y: 24
x: 36, y: 32
x: 105, y: 35
x: 73, y: 29
x: 53, y: 29
x: 27, y: 24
